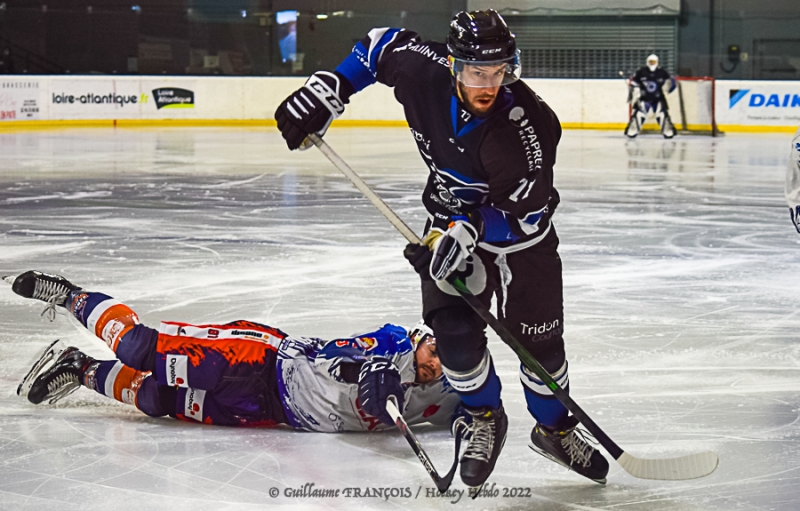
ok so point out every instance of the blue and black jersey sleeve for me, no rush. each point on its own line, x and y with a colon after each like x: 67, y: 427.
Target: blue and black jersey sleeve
x: 519, y: 157
x: 374, y: 58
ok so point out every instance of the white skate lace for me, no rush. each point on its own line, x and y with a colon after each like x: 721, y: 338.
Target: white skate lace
x: 576, y: 443
x: 62, y: 385
x: 51, y: 292
x: 480, y: 446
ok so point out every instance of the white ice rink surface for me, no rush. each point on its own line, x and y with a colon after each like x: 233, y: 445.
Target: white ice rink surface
x: 681, y: 281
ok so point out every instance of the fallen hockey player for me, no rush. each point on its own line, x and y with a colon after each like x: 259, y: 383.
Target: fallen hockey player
x: 240, y: 373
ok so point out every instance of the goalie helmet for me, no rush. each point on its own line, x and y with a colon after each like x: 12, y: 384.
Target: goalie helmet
x: 482, y: 50
x: 652, y: 62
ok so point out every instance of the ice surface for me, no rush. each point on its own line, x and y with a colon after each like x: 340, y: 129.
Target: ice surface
x: 680, y: 269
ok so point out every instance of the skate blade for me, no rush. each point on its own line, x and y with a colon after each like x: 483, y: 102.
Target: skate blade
x: 64, y: 392
x: 9, y: 279
x: 474, y: 491
x: 550, y: 457
x: 49, y: 354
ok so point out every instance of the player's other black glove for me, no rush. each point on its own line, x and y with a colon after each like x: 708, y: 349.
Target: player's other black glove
x: 419, y: 255
x: 311, y: 108
x: 379, y: 378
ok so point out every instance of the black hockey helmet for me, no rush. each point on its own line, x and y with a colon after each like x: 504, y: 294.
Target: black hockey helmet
x: 480, y: 35
x: 482, y: 39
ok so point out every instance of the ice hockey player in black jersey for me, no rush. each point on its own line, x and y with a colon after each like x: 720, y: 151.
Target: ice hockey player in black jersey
x: 490, y: 145
x: 646, y: 95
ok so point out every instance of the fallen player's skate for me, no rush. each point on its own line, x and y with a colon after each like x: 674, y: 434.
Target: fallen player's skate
x: 57, y: 373
x: 52, y: 289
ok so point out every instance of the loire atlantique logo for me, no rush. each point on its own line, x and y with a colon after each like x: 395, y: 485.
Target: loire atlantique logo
x: 757, y: 100
x: 172, y: 97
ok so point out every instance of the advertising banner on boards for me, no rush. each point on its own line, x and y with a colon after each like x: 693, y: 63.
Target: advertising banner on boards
x: 171, y: 98
x: 94, y: 98
x: 19, y: 100
x: 758, y: 103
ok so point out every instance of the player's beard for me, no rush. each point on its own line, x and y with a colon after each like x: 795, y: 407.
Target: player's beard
x: 426, y: 374
x: 472, y: 103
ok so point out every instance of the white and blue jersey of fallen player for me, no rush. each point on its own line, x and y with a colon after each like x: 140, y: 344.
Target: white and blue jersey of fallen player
x: 317, y: 395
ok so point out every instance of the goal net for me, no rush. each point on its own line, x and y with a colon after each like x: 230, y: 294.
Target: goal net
x: 691, y: 107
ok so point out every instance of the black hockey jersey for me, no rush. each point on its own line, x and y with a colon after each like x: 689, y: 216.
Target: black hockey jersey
x: 499, y: 165
x: 650, y: 83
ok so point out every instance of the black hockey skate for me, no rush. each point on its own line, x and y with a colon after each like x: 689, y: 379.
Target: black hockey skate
x: 53, y: 289
x: 57, y: 373
x: 568, y: 447
x: 488, y: 430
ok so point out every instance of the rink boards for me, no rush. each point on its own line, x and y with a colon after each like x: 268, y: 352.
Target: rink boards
x: 54, y: 101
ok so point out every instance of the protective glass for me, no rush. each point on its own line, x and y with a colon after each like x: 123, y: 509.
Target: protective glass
x: 486, y: 74
x: 418, y: 337
x: 422, y: 333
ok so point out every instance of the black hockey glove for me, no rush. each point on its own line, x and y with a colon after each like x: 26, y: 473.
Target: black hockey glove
x: 453, y: 247
x: 419, y: 255
x: 310, y: 109
x: 379, y: 379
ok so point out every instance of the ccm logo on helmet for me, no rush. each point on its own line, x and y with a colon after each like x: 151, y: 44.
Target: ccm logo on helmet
x: 493, y: 50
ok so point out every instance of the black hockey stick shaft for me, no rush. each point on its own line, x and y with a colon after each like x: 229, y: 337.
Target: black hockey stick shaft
x: 679, y: 468
x: 507, y: 337
x: 442, y: 483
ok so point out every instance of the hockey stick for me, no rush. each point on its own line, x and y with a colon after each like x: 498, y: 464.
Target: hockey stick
x: 442, y: 483
x: 684, y: 467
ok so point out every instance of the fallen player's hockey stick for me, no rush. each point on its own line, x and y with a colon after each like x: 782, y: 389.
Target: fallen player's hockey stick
x: 690, y: 466
x: 442, y: 483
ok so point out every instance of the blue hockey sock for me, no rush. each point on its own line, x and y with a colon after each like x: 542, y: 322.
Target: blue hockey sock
x: 542, y: 404
x: 479, y: 386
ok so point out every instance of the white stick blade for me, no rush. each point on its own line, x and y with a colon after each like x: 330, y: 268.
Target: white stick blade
x: 691, y: 466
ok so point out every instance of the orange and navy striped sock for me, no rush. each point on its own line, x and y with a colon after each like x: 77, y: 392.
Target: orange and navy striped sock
x: 107, y: 318
x: 114, y: 379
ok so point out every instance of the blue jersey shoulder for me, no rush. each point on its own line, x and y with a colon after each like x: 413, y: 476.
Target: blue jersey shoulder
x: 386, y: 341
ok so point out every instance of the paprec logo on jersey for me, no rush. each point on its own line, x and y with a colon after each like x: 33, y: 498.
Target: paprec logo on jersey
x: 518, y: 117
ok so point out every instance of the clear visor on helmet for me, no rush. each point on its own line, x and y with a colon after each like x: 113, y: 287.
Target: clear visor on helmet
x: 486, y: 74
x: 420, y: 333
